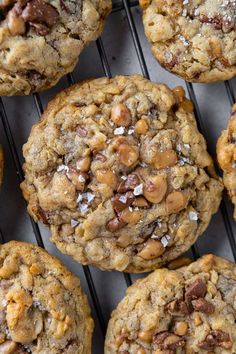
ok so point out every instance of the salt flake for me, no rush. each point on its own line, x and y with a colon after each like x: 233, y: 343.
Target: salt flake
x: 193, y: 216
x: 138, y: 190
x: 119, y: 131
x: 165, y: 240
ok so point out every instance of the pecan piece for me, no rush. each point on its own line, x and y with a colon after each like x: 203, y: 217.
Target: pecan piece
x: 216, y: 338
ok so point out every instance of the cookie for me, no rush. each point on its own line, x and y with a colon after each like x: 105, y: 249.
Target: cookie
x: 42, y: 307
x: 119, y: 171
x: 226, y: 155
x: 190, y: 310
x: 193, y: 39
x: 1, y: 164
x: 40, y: 40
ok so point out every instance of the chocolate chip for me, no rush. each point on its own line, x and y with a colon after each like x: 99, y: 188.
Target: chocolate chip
x: 173, y: 306
x: 203, y: 305
x: 216, y: 21
x: 195, y: 290
x: 130, y: 183
x: 82, y: 132
x: 38, y: 11
x: 40, y: 28
x: 185, y: 307
x: 163, y: 342
x: 122, y: 201
x: 115, y: 224
x: 216, y: 338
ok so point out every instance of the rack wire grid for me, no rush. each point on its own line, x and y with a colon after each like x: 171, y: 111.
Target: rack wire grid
x: 123, y: 49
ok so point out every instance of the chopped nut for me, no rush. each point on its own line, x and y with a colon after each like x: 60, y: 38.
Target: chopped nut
x: 197, y: 319
x: 203, y: 305
x: 83, y: 164
x: 140, y: 202
x: 115, y: 224
x: 120, y: 115
x: 107, y: 177
x: 130, y: 217
x: 155, y: 189
x: 172, y: 306
x: 141, y: 127
x: 124, y: 240
x: 128, y: 155
x: 146, y: 336
x: 175, y: 202
x: 181, y: 328
x: 152, y: 249
x: 15, y: 24
x: 216, y: 338
x: 130, y: 183
x: 165, y: 159
x: 122, y: 201
x: 8, y: 347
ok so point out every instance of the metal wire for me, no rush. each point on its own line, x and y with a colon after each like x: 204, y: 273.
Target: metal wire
x: 119, y: 6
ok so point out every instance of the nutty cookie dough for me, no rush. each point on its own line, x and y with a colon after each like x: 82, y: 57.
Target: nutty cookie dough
x: 42, y: 307
x: 118, y: 170
x: 194, y: 39
x: 1, y: 164
x: 226, y: 155
x: 191, y: 310
x: 40, y: 40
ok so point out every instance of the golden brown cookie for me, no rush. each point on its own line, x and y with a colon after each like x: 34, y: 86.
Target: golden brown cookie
x: 190, y: 310
x: 41, y: 40
x: 193, y: 39
x: 119, y: 171
x: 43, y: 309
x: 226, y: 155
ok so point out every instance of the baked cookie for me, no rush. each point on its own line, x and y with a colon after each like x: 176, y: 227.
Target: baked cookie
x: 226, y: 155
x: 40, y: 40
x: 42, y: 307
x: 119, y: 171
x: 194, y: 39
x: 190, y: 310
x: 1, y: 164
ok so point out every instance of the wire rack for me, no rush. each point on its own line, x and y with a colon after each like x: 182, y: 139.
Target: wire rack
x: 131, y: 17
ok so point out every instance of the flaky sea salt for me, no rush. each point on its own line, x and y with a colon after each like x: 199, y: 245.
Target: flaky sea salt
x: 138, y: 190
x: 83, y: 208
x: 193, y: 216
x: 79, y: 198
x: 130, y: 131
x: 119, y: 131
x: 61, y: 168
x: 90, y: 197
x: 74, y: 223
x: 81, y: 178
x: 123, y: 199
x: 165, y: 240
x: 124, y: 178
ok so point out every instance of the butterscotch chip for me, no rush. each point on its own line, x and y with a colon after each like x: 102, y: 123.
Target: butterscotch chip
x: 47, y: 313
x: 193, y: 39
x: 41, y: 40
x: 226, y: 155
x: 151, y: 313
x: 114, y: 166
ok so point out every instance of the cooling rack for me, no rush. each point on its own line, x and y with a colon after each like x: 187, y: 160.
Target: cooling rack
x: 122, y: 49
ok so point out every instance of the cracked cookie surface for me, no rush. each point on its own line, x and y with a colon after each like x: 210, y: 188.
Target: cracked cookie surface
x: 226, y: 155
x: 195, y: 39
x: 42, y: 307
x: 40, y: 40
x: 190, y: 310
x: 119, y: 171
